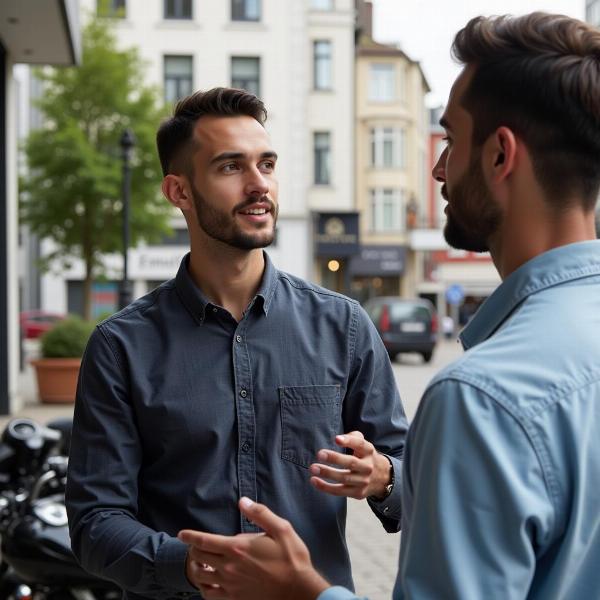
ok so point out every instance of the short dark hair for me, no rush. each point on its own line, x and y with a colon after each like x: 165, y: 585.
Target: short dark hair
x: 174, y: 138
x: 539, y: 75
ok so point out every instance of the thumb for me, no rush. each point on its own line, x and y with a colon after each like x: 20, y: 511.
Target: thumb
x: 267, y: 520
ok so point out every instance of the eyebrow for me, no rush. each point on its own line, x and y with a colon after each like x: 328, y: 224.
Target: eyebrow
x: 240, y: 155
x: 444, y: 123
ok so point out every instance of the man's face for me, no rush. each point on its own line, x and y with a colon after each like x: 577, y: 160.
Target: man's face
x: 473, y: 215
x: 233, y: 182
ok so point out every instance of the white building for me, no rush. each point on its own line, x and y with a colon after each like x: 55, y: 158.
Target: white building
x: 36, y: 33
x: 298, y: 56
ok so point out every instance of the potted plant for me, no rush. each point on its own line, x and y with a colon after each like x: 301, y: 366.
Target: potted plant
x: 61, y: 351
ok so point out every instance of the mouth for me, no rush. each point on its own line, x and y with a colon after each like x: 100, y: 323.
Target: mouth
x: 256, y: 213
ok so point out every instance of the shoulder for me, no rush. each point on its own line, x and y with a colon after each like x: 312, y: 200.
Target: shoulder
x: 140, y: 313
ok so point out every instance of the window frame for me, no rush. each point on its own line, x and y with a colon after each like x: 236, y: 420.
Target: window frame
x: 181, y: 4
x: 258, y: 73
x: 384, y: 198
x: 323, y: 59
x: 322, y: 159
x: 376, y: 84
x: 178, y: 79
x: 242, y: 16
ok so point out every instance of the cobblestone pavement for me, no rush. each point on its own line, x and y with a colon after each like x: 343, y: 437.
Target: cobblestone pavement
x: 374, y: 553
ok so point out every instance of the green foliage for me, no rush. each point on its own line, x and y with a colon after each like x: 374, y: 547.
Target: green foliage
x: 72, y: 193
x: 67, y: 339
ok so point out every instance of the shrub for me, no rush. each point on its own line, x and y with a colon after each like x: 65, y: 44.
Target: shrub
x: 67, y: 339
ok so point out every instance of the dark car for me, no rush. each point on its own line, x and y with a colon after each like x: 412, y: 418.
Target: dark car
x: 36, y: 322
x: 404, y: 325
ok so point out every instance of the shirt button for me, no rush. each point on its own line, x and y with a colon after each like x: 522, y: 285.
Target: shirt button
x: 238, y: 338
x: 243, y: 393
x: 245, y: 446
x: 215, y: 309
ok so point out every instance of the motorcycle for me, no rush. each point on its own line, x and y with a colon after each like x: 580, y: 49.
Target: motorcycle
x: 36, y: 561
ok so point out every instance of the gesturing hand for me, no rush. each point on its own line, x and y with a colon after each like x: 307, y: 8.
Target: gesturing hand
x: 358, y: 475
x: 272, y: 565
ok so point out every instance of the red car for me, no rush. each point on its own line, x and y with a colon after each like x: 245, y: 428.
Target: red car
x: 36, y: 322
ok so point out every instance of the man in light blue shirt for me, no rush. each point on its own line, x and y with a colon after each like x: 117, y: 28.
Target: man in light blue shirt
x: 502, y: 468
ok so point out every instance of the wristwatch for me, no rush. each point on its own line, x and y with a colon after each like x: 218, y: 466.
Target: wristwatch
x: 389, y: 487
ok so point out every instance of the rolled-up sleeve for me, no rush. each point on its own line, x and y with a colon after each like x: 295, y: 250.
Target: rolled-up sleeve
x: 102, y: 493
x: 339, y: 593
x: 373, y: 407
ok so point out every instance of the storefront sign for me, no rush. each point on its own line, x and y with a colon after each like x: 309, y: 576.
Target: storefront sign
x: 336, y: 234
x: 373, y: 260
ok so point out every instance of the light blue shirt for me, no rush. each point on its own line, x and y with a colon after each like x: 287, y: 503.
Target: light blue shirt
x: 501, y: 493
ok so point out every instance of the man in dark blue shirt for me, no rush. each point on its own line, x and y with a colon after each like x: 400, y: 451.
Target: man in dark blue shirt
x: 227, y: 381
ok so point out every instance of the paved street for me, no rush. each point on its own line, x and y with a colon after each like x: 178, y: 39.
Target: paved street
x: 374, y: 552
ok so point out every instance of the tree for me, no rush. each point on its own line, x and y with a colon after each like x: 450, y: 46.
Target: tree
x: 72, y: 193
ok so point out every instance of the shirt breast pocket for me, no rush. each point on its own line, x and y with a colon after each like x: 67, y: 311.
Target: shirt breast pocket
x: 310, y: 418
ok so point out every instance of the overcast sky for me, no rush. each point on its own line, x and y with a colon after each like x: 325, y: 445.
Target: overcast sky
x: 425, y: 29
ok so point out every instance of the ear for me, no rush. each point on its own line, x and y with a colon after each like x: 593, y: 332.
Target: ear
x: 500, y: 155
x: 177, y: 191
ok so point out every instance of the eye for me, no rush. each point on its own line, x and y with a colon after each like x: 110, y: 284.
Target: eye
x: 229, y: 168
x: 268, y: 165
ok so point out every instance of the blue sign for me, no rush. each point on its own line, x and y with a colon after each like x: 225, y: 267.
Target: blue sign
x: 455, y: 294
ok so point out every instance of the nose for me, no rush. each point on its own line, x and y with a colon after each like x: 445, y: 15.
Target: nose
x: 439, y: 170
x: 256, y: 184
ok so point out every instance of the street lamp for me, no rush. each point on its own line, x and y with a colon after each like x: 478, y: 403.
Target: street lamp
x: 127, y: 143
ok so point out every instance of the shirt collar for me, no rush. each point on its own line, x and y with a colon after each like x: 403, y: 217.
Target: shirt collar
x: 556, y: 266
x: 195, y: 301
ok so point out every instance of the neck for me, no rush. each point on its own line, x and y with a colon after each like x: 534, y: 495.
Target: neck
x: 524, y: 237
x: 228, y: 276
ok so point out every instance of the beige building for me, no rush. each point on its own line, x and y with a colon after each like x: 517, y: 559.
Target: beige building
x: 390, y: 165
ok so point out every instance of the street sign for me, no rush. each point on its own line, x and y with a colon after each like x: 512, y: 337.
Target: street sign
x: 455, y: 294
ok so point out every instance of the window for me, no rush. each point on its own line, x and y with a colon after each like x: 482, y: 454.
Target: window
x: 245, y: 10
x: 111, y: 8
x: 322, y: 144
x: 387, y: 212
x: 178, y: 9
x: 321, y: 4
x: 245, y: 73
x: 382, y: 82
x: 178, y: 77
x: 322, y: 65
x: 387, y: 147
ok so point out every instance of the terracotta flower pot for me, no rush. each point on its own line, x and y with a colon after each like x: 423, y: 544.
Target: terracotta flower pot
x: 57, y: 378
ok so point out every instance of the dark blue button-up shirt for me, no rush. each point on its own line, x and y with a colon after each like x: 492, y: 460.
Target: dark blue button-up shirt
x: 181, y: 410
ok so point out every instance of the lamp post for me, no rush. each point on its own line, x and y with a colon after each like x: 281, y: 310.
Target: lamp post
x: 127, y: 143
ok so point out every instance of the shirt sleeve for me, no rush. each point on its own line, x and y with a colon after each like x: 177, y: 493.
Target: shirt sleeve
x: 476, y: 507
x: 339, y: 593
x: 102, y: 495
x: 372, y: 406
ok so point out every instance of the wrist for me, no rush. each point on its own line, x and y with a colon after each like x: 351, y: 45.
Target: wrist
x: 310, y: 585
x: 385, y: 480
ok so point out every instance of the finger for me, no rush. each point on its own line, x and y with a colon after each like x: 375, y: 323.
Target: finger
x: 276, y: 527
x: 345, y: 476
x: 339, y: 489
x: 210, y: 592
x: 344, y: 461
x: 208, y: 542
x: 356, y: 443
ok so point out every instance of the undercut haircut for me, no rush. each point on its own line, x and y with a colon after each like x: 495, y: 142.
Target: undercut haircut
x: 539, y: 75
x: 175, y: 137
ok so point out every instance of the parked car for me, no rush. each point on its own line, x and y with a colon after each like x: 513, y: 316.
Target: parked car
x: 36, y: 322
x: 405, y: 325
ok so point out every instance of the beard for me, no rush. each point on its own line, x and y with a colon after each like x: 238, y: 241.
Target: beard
x: 221, y: 226
x: 472, y: 213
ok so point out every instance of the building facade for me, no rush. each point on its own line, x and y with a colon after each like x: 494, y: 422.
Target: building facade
x: 30, y: 33
x: 298, y: 56
x: 391, y: 166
